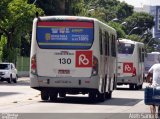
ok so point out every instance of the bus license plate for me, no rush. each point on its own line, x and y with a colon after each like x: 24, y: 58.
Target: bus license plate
x: 63, y: 71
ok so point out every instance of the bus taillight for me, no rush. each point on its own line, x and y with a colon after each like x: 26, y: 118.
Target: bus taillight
x: 134, y: 72
x: 95, y: 66
x: 33, y: 65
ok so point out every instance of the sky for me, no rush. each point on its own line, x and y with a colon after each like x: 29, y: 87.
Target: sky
x: 140, y: 3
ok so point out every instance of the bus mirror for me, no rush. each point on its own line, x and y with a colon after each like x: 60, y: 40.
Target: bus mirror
x: 37, y: 15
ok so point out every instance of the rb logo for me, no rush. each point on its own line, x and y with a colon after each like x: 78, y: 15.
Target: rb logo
x: 127, y: 67
x: 83, y: 58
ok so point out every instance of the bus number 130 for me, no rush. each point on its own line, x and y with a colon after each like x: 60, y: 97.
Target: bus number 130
x: 64, y: 61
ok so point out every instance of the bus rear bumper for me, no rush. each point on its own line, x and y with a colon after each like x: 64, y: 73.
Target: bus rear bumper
x: 126, y: 80
x: 64, y: 83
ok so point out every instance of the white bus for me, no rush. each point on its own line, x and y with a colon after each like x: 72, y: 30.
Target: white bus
x: 130, y: 63
x: 149, y: 60
x: 73, y: 55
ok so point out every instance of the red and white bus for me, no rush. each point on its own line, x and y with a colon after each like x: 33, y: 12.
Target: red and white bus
x: 73, y: 55
x: 130, y: 63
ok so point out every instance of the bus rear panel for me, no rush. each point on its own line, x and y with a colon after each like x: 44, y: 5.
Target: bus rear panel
x: 130, y: 67
x: 65, y: 57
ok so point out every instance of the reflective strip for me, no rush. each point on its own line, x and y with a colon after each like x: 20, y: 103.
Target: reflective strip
x: 67, y: 44
x: 62, y: 27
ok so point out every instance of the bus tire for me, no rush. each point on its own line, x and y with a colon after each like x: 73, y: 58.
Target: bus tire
x: 63, y: 95
x: 106, y: 95
x: 136, y: 87
x: 101, y: 97
x: 110, y: 95
x: 92, y: 96
x: 44, y: 95
x: 140, y: 86
x: 158, y: 111
x: 53, y: 96
x: 131, y: 86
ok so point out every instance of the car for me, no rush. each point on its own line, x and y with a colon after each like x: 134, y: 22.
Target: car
x: 8, y: 72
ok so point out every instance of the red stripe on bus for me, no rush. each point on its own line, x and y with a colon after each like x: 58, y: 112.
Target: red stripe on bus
x: 68, y: 24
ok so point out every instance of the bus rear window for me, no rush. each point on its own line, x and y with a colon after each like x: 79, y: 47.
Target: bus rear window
x: 125, y: 48
x: 150, y: 57
x: 65, y: 34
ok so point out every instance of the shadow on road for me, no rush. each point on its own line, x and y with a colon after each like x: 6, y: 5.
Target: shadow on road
x: 127, y: 89
x: 122, y: 101
x: 85, y: 100
x: 19, y: 83
x: 2, y: 94
x: 5, y: 85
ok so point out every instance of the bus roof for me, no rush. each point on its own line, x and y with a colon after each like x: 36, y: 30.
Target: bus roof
x: 154, y: 53
x: 79, y: 18
x: 130, y: 41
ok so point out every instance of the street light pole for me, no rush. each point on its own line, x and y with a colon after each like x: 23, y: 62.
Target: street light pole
x: 132, y: 31
x: 34, y: 1
x: 149, y: 41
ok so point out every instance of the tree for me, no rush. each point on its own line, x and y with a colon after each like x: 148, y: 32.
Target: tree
x: 51, y: 7
x: 118, y: 28
x: 135, y: 37
x: 111, y: 8
x: 61, y: 7
x: 16, y: 21
x: 142, y: 20
x: 123, y: 11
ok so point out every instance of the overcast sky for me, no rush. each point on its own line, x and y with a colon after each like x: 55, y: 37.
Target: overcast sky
x: 140, y: 3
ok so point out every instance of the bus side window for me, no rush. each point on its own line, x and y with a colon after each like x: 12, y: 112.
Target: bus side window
x: 100, y: 42
x: 158, y: 58
x: 106, y: 43
x: 143, y: 54
x: 113, y: 46
x: 139, y: 53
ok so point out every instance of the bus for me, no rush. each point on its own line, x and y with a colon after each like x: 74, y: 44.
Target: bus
x: 149, y: 60
x: 130, y: 63
x: 73, y: 55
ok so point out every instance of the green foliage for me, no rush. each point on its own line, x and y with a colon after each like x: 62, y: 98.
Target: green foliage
x: 50, y: 7
x: 23, y: 63
x: 78, y: 8
x: 142, y: 20
x: 124, y: 10
x: 118, y: 28
x: 107, y: 10
x: 3, y: 42
x: 110, y: 8
x: 62, y: 7
x: 16, y: 22
x: 16, y: 18
x: 22, y: 15
x: 135, y: 37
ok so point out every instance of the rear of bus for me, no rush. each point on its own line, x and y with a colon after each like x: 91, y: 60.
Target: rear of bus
x: 62, y: 56
x: 127, y: 63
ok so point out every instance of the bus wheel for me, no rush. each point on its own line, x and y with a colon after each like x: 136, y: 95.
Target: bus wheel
x: 140, y: 86
x: 101, y: 97
x: 92, y: 96
x: 53, y: 96
x: 158, y: 111
x: 63, y: 95
x: 110, y: 95
x: 131, y: 86
x: 44, y: 95
x: 106, y: 95
x: 136, y: 87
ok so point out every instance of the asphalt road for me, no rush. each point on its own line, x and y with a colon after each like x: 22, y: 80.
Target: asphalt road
x: 24, y: 101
